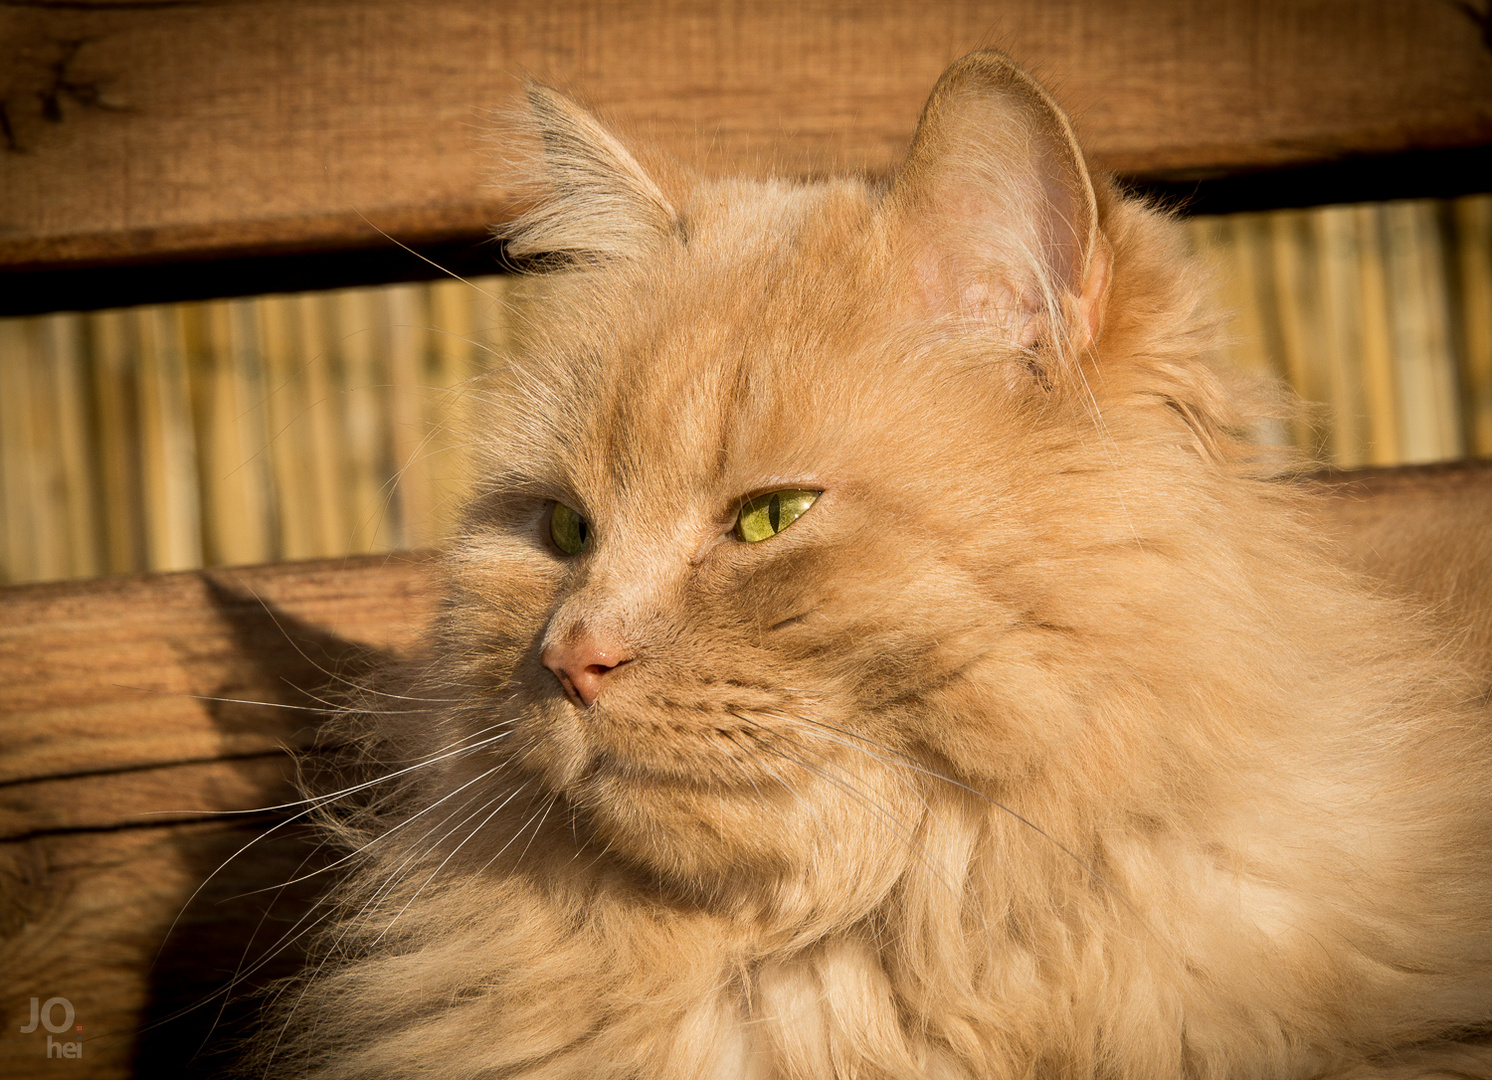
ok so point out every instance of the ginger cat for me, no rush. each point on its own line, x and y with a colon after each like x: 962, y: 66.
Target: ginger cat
x: 874, y: 648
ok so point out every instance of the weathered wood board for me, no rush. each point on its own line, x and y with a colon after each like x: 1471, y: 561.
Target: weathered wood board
x: 143, y: 131
x: 123, y: 738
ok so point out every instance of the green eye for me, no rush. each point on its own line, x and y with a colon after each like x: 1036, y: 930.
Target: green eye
x: 767, y: 515
x: 570, y: 532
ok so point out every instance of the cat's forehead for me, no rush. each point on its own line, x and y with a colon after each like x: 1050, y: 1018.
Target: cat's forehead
x: 726, y: 352
x: 773, y: 346
x: 755, y: 218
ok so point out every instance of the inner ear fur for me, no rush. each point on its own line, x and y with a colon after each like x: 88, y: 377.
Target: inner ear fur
x: 998, y: 210
x: 588, y: 196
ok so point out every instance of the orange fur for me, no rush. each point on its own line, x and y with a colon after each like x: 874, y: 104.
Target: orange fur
x: 1052, y: 741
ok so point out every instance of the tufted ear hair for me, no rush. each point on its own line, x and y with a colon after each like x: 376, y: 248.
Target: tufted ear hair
x: 590, y: 197
x: 998, y: 211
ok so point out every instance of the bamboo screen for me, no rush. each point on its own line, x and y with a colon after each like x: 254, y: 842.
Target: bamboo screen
x: 237, y: 431
x: 320, y: 424
x: 1380, y: 312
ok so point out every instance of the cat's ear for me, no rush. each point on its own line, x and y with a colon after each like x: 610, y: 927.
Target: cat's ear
x: 998, y: 212
x: 590, y: 198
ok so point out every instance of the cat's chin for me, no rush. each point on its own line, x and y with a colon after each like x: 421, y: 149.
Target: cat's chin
x: 772, y: 823
x: 815, y: 850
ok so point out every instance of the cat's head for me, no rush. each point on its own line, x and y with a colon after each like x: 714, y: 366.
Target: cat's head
x: 805, y: 492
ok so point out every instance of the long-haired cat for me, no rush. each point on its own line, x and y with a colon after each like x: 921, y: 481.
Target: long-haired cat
x: 875, y: 649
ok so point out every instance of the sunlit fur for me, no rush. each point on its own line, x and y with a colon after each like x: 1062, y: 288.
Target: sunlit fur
x: 1049, y: 742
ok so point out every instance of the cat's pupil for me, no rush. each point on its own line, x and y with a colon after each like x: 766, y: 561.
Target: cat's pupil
x: 570, y: 531
x: 774, y: 512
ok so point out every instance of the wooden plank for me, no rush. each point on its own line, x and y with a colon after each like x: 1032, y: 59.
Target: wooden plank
x: 119, y: 752
x: 93, y: 918
x: 174, y: 130
x: 150, y: 670
x: 152, y: 795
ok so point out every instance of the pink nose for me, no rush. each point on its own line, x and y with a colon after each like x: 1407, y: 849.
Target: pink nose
x: 582, y: 665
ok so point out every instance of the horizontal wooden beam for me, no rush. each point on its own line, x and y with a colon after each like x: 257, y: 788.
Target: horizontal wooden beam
x: 113, y: 923
x: 144, y: 132
x: 140, y: 717
x: 120, y: 675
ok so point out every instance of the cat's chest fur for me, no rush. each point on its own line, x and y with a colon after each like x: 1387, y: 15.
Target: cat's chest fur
x: 875, y: 648
x: 576, y: 969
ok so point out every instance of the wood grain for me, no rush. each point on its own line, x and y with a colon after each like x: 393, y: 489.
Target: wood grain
x: 137, y: 132
x: 150, y: 670
x: 127, y: 728
x: 109, y: 921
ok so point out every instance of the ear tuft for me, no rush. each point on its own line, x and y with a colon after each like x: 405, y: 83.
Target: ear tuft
x: 591, y: 199
x: 998, y: 209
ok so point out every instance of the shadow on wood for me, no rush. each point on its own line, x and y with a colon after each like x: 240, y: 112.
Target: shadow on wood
x: 261, y: 874
x: 134, y: 713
